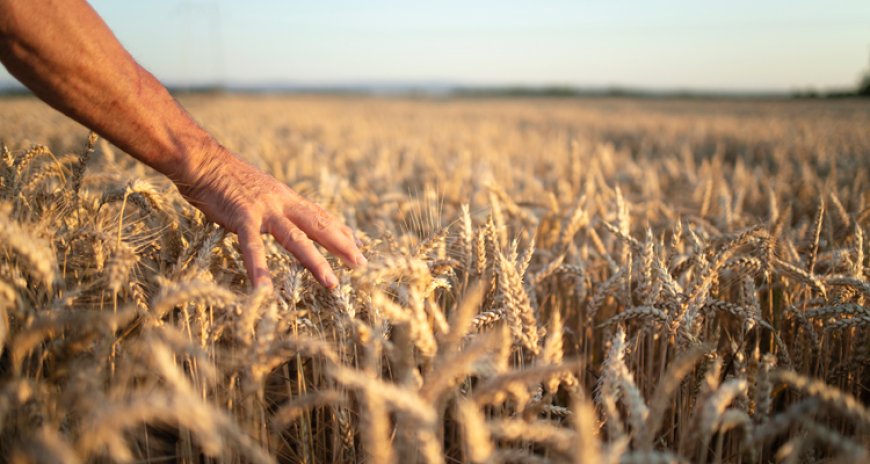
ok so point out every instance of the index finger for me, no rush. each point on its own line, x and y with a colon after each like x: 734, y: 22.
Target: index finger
x: 254, y: 256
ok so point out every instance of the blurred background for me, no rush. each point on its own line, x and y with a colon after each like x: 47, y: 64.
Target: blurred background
x: 657, y: 47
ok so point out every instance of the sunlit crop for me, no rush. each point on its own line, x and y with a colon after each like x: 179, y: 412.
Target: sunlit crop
x: 549, y: 281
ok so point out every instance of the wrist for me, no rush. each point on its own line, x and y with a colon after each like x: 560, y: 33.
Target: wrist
x: 199, y: 163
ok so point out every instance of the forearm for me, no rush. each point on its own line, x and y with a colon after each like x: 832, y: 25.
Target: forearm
x: 64, y: 52
x: 67, y: 56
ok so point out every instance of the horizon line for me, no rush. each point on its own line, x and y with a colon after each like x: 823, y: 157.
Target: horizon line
x: 446, y: 87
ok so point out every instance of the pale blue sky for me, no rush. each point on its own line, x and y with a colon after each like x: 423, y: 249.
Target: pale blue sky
x: 677, y: 44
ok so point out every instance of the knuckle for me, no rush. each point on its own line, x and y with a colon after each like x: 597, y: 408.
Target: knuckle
x: 321, y: 220
x: 287, y: 233
x: 248, y: 217
x: 297, y: 236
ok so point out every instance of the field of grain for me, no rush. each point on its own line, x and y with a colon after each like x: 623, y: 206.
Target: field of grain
x: 589, y: 281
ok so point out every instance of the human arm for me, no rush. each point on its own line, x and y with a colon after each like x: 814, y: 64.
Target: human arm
x: 68, y: 57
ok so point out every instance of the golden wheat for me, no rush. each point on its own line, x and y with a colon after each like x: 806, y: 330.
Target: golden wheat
x: 548, y: 281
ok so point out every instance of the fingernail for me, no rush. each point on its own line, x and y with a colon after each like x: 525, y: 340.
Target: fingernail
x: 329, y: 280
x: 360, y: 260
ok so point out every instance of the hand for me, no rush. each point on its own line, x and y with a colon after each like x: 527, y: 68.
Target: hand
x: 248, y: 202
x: 90, y: 77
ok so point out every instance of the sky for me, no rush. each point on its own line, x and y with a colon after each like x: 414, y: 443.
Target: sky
x: 738, y: 45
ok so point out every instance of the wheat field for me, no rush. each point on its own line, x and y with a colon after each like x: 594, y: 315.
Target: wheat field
x: 588, y: 281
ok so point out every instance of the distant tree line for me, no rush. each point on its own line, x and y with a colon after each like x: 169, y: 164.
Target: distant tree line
x: 861, y: 90
x: 864, y: 86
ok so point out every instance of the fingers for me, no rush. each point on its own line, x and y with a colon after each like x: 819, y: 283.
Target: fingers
x: 254, y: 256
x: 326, y: 230
x: 297, y: 242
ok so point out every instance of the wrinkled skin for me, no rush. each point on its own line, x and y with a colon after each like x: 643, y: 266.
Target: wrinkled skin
x: 249, y: 202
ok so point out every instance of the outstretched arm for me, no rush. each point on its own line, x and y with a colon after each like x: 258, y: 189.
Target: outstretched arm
x: 68, y: 57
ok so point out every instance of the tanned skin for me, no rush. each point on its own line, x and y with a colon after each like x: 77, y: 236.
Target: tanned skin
x: 64, y: 52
